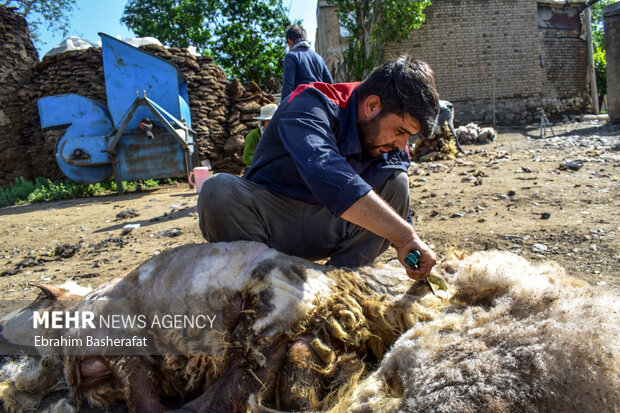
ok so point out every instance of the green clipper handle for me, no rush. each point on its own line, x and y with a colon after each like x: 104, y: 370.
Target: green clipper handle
x: 412, y: 259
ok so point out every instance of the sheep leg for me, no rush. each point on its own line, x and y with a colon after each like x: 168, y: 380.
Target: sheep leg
x: 135, y: 375
x: 230, y: 393
x: 299, y: 383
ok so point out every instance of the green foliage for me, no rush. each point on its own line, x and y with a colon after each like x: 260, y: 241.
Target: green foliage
x: 23, y: 191
x: 149, y: 183
x: 372, y: 24
x: 250, y: 41
x: 598, y: 33
x: 179, y: 23
x: 43, y: 14
x: 171, y: 181
x: 600, y: 67
x: 16, y: 192
x: 245, y: 37
x: 598, y: 40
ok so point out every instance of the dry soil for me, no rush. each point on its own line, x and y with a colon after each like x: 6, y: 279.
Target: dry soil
x: 555, y: 198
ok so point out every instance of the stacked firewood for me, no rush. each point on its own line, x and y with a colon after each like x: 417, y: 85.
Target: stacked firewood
x: 17, y: 57
x: 222, y: 112
x: 245, y: 105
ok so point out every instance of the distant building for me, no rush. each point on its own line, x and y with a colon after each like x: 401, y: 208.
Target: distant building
x: 496, y: 60
x: 611, y: 20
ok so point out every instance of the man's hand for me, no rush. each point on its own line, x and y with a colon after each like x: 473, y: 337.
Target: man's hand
x: 427, y: 260
x: 376, y: 215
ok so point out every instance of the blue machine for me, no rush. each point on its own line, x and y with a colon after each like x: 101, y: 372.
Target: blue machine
x: 144, y: 132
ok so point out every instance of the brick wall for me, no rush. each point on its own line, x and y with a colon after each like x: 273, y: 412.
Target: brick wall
x: 480, y: 49
x: 496, y: 61
x: 612, y: 50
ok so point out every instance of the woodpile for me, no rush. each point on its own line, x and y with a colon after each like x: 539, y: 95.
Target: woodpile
x: 222, y: 111
x: 17, y: 57
x: 245, y: 105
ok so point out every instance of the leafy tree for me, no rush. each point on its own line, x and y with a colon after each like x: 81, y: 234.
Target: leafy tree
x: 373, y: 23
x: 179, y: 23
x: 50, y: 14
x: 600, y: 69
x: 250, y: 41
x: 245, y: 37
x: 598, y: 40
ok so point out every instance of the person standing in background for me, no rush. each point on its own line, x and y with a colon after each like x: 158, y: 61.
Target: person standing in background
x: 301, y: 64
x: 252, y: 138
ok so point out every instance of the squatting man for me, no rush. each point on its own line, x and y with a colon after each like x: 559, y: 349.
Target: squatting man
x: 329, y: 175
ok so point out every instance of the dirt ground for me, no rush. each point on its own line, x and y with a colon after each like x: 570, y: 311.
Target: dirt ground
x: 513, y: 194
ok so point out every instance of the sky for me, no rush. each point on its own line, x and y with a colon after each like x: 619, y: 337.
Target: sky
x: 93, y: 16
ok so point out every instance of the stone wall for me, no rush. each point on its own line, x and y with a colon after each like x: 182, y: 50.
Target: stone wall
x: 500, y: 60
x: 612, y: 50
x: 222, y: 111
x: 17, y: 58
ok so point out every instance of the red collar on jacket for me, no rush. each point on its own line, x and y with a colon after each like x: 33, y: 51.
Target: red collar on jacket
x: 338, y: 93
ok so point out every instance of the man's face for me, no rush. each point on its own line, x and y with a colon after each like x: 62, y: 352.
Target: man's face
x: 385, y: 132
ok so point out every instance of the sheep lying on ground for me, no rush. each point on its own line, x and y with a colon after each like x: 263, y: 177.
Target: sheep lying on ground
x: 291, y: 331
x: 507, y: 336
x: 24, y: 381
x: 516, y: 338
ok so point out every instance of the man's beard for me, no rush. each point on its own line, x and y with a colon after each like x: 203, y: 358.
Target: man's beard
x: 368, y: 131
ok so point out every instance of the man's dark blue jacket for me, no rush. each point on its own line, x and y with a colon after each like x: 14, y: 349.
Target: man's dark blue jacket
x: 303, y: 66
x: 311, y: 151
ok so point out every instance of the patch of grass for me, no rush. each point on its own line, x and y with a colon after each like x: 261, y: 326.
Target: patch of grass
x: 149, y: 183
x: 23, y: 191
x: 172, y: 181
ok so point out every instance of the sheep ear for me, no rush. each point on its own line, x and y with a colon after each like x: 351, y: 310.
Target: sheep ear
x: 51, y: 291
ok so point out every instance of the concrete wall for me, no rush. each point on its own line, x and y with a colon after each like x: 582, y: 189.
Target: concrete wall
x: 329, y: 43
x: 500, y: 60
x: 612, y: 50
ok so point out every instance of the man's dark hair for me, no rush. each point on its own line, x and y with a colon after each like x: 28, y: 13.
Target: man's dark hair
x: 405, y: 85
x: 295, y: 33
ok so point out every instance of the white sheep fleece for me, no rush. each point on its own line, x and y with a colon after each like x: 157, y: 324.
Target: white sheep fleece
x: 523, y: 338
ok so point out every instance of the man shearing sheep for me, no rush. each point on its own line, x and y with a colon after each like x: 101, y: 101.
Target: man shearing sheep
x: 329, y: 177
